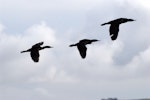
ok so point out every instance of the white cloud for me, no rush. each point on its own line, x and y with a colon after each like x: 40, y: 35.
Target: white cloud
x: 61, y: 73
x: 1, y: 28
x: 13, y: 44
x: 40, y: 33
x: 21, y: 66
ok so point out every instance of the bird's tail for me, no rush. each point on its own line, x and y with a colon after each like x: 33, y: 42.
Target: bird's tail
x: 72, y: 45
x: 26, y: 51
x: 23, y: 51
x: 104, y: 24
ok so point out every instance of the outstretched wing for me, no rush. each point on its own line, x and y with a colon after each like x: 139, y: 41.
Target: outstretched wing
x: 87, y: 41
x: 114, y: 29
x: 35, y: 55
x: 38, y: 44
x: 82, y: 50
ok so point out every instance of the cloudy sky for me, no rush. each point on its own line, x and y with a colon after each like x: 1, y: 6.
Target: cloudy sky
x: 118, y: 68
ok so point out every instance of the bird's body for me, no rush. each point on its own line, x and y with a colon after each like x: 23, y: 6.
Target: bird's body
x: 81, y: 45
x: 34, y: 51
x: 114, y: 26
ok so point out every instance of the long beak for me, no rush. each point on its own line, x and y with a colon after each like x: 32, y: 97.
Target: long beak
x: 131, y: 20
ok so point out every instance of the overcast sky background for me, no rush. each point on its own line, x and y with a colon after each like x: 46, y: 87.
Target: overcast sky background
x: 118, y: 68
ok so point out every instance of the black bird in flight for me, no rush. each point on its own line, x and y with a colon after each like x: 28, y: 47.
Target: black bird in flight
x: 81, y: 45
x: 114, y: 26
x: 34, y: 51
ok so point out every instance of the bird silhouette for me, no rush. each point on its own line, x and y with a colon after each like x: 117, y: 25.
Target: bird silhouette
x: 114, y: 26
x: 34, y: 51
x: 81, y: 45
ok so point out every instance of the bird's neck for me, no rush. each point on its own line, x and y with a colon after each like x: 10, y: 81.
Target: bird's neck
x: 44, y: 47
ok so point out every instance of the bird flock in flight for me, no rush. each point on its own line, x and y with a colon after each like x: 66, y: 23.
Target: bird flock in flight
x: 81, y: 45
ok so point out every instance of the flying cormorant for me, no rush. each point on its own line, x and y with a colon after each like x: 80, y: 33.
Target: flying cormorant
x: 81, y: 45
x: 114, y: 26
x: 34, y: 51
